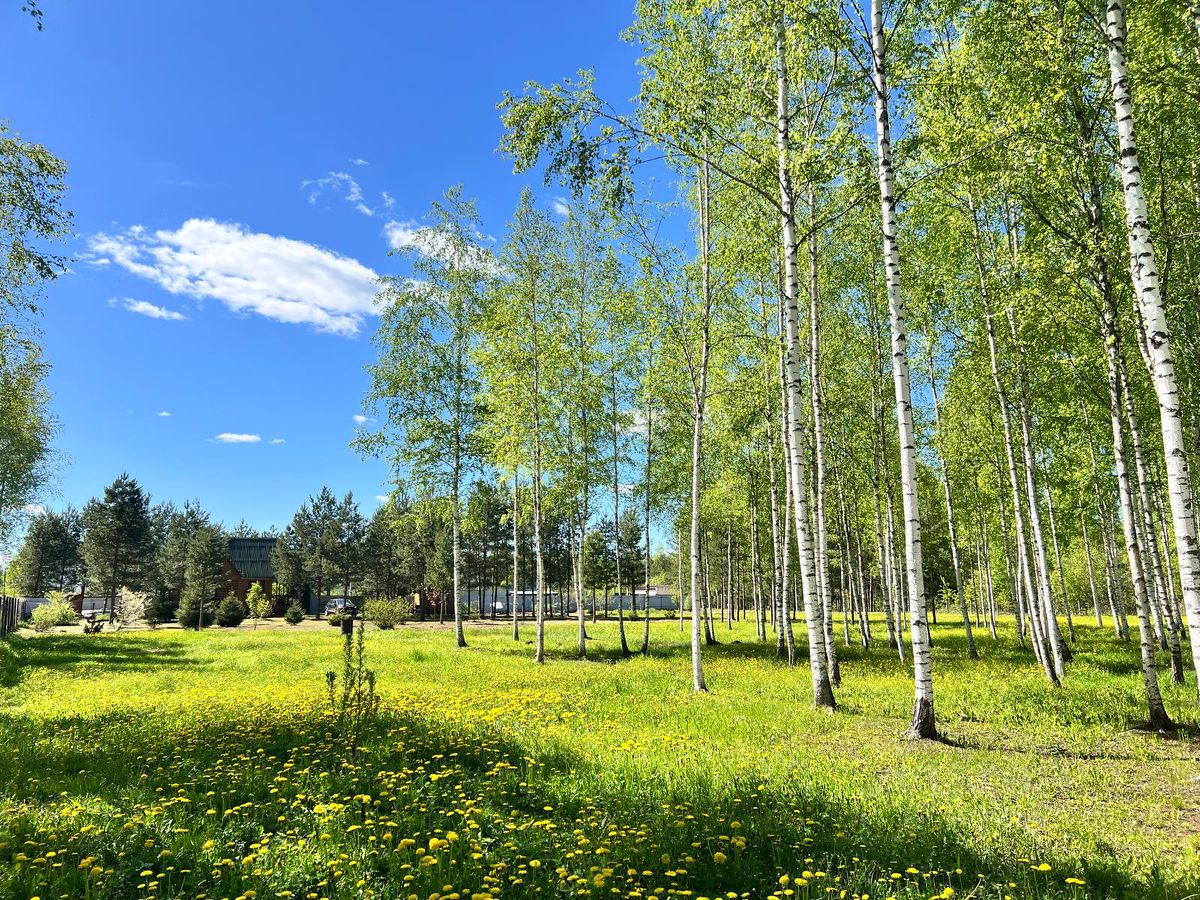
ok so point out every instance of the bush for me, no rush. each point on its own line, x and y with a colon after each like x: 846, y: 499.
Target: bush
x: 189, y: 612
x: 388, y: 612
x: 334, y: 619
x: 58, y: 611
x: 231, y: 612
x: 294, y: 614
x: 157, y: 611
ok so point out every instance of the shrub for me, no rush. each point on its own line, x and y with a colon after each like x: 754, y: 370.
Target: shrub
x: 334, y: 618
x: 157, y: 611
x: 43, y: 618
x: 190, y: 609
x: 388, y: 612
x: 231, y: 612
x: 58, y: 611
x: 294, y: 614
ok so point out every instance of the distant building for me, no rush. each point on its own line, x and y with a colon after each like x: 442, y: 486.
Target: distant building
x: 249, y: 562
x: 661, y: 597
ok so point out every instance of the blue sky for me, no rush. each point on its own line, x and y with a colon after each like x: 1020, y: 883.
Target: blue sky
x: 237, y: 171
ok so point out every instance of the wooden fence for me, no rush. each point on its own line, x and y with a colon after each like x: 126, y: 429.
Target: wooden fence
x: 10, y: 614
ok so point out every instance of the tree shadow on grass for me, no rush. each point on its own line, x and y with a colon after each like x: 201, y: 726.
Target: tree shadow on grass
x: 788, y: 825
x: 18, y: 655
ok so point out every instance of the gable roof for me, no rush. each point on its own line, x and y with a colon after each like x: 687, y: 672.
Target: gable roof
x: 252, y: 557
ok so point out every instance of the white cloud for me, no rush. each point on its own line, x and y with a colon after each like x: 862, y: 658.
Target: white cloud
x: 429, y: 242
x: 358, y: 162
x: 144, y: 308
x: 276, y: 441
x: 360, y: 419
x: 276, y: 277
x: 342, y: 183
x: 33, y: 509
x: 560, y: 206
x: 164, y: 415
x: 382, y: 498
x: 388, y: 200
x: 230, y: 437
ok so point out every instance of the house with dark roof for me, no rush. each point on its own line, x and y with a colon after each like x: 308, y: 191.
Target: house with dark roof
x: 248, y: 562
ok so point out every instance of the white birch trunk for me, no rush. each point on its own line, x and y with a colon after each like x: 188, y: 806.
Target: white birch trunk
x: 972, y: 652
x: 699, y: 398
x: 1023, y: 569
x: 813, y: 613
x: 516, y: 554
x: 1144, y: 268
x: 814, y: 381
x: 923, y: 724
x: 1158, y: 718
x: 1168, y: 631
x: 1091, y: 569
x: 1045, y: 597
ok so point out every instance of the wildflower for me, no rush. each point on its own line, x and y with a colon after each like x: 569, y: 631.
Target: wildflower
x: 719, y: 857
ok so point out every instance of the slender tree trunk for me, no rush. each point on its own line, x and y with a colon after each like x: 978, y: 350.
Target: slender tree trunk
x: 1047, y: 611
x: 1023, y: 568
x: 1091, y: 569
x: 616, y: 483
x: 1168, y: 631
x: 923, y: 722
x: 516, y: 554
x: 972, y: 652
x: 760, y: 625
x: 699, y: 398
x: 539, y: 562
x: 813, y: 612
x: 1152, y: 310
x: 1011, y: 569
x: 818, y: 437
x: 1116, y: 603
x: 1159, y: 720
x: 1062, y: 580
x: 649, y: 447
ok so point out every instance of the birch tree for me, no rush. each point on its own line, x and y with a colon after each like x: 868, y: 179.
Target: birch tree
x: 425, y: 385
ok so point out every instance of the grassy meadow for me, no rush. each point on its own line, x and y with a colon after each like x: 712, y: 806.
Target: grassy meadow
x: 174, y: 764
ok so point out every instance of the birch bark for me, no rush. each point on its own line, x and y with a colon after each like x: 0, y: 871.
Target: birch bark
x: 813, y: 613
x: 1144, y: 269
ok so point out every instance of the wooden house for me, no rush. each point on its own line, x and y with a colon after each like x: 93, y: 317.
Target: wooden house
x: 249, y: 562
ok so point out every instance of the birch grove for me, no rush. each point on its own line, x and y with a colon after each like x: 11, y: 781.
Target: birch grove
x: 801, y: 204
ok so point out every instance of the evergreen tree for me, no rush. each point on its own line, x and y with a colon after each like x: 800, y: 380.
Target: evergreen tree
x: 118, y: 539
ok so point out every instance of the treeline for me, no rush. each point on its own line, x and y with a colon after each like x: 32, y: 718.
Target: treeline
x: 933, y: 329
x: 122, y: 540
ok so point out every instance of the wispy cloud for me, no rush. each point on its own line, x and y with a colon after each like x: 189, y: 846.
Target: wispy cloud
x: 358, y: 162
x: 164, y: 415
x: 341, y: 183
x: 231, y: 437
x: 150, y: 310
x: 277, y: 441
x: 382, y: 498
x: 560, y: 206
x: 360, y: 419
x: 388, y: 200
x: 276, y: 277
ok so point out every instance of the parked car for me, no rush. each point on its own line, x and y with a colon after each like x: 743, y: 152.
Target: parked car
x: 340, y: 606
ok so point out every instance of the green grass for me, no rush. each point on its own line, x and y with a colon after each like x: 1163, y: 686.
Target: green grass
x: 175, y: 764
